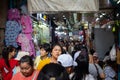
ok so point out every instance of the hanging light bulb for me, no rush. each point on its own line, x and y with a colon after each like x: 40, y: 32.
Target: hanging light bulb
x: 109, y: 26
x: 97, y: 19
x: 118, y: 1
x: 101, y: 16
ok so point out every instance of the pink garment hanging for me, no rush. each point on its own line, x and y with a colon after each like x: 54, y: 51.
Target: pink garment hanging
x: 28, y: 35
x: 33, y: 48
x: 26, y: 24
x: 13, y: 14
x: 26, y: 44
x: 23, y: 41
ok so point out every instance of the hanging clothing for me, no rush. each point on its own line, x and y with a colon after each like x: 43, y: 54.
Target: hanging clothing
x: 24, y: 9
x: 26, y: 24
x: 13, y: 14
x: 28, y: 35
x: 12, y: 30
x: 25, y: 43
x: 33, y: 48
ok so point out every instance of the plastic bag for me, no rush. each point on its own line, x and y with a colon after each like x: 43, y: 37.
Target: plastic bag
x: 113, y: 53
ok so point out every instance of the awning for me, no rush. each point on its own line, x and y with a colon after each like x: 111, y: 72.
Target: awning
x: 35, y: 6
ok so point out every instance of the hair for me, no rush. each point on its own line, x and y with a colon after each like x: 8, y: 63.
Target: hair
x: 57, y: 44
x: 107, y: 53
x: 92, y: 51
x: 77, y: 47
x: 5, y: 53
x: 81, y: 70
x: 53, y: 71
x: 64, y: 51
x: 46, y: 47
x: 27, y: 59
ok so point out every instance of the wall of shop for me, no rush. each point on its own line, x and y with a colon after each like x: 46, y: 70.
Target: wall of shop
x: 104, y: 39
x: 3, y: 17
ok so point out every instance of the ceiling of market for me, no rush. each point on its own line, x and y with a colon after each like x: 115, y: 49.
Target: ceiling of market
x: 105, y: 7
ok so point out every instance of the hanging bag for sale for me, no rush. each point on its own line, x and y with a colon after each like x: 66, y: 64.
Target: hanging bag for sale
x: 113, y: 53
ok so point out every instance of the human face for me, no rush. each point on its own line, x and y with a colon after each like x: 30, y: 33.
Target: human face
x: 26, y: 69
x: 96, y: 60
x: 56, y: 51
x: 69, y: 69
x: 13, y: 53
x: 43, y: 52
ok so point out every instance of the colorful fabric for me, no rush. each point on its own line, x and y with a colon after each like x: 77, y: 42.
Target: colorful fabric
x: 26, y: 24
x: 32, y: 51
x: 6, y: 71
x: 12, y: 30
x: 26, y: 44
x: 23, y: 41
x: 13, y: 14
x: 28, y: 35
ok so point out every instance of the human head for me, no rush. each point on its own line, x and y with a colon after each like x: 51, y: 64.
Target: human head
x: 26, y: 65
x: 82, y: 66
x: 82, y: 61
x: 92, y: 51
x: 44, y: 49
x: 8, y: 53
x: 95, y: 57
x: 77, y: 47
x: 56, y: 50
x: 66, y: 61
x: 53, y: 71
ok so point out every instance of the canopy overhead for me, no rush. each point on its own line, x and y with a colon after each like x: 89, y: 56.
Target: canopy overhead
x: 35, y: 6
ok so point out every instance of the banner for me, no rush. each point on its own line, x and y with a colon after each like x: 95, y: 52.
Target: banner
x: 35, y: 6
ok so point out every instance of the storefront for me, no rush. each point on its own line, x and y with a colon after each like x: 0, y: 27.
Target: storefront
x: 76, y: 24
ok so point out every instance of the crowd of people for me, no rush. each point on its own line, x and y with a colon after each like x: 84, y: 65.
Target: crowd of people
x: 60, y: 61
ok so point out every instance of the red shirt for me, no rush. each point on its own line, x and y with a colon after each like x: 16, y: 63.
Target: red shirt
x: 6, y: 71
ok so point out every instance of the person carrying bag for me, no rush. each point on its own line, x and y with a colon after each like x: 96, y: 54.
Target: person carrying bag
x: 98, y: 76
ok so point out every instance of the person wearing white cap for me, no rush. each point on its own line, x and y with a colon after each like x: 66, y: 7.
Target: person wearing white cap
x: 67, y: 61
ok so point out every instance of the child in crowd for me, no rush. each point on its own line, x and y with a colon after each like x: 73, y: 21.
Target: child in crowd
x: 44, y: 50
x: 55, y: 52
